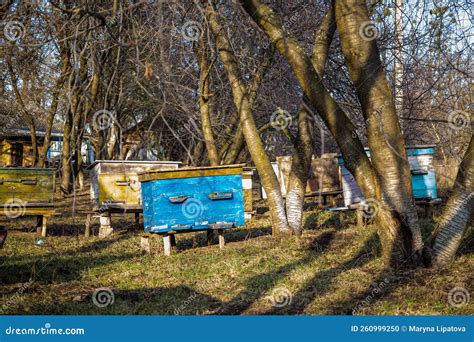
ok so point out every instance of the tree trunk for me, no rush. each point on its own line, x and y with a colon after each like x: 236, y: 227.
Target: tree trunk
x: 249, y: 128
x: 457, y: 214
x: 66, y: 155
x: 204, y: 102
x: 30, y: 122
x: 235, y: 146
x: 386, y: 142
x: 343, y: 130
x: 301, y: 161
x: 299, y: 173
x: 43, y: 151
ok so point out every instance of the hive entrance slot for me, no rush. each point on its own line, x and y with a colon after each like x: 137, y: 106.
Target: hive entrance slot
x: 214, y: 196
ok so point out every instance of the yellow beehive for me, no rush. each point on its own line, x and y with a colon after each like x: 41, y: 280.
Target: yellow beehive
x: 114, y: 183
x: 28, y: 186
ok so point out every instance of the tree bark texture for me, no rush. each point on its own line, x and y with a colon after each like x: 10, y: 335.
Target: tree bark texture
x: 249, y: 128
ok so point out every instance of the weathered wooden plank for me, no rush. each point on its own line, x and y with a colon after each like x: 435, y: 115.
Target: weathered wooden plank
x: 189, y: 172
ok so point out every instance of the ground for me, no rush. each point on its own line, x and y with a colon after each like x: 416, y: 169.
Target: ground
x: 335, y: 268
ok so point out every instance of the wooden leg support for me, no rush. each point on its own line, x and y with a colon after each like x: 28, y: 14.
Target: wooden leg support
x: 360, y: 217
x: 173, y: 240
x: 342, y: 216
x: 145, y: 245
x: 221, y: 238
x: 167, y: 244
x: 209, y: 236
x: 137, y: 220
x: 41, y: 225
x: 105, y: 225
x: 87, y: 232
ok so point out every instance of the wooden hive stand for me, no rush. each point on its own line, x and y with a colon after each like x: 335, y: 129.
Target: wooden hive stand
x: 169, y: 240
x: 104, y: 215
x: 42, y: 212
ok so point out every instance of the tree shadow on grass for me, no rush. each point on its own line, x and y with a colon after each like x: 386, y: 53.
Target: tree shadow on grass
x: 379, y: 288
x: 322, y: 281
x: 62, y: 267
x: 231, y: 235
x: 177, y: 300
x: 260, y: 284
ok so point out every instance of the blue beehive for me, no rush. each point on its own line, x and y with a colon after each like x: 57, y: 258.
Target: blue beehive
x: 192, y: 199
x: 423, y: 177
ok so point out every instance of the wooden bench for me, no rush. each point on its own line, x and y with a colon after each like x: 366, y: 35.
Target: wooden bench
x: 327, y: 197
x: 42, y: 212
x: 104, y: 214
x: 427, y: 204
x: 169, y: 239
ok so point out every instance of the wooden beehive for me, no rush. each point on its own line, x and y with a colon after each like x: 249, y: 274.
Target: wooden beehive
x: 423, y: 176
x: 28, y: 186
x: 324, y: 176
x: 247, y: 190
x: 192, y: 198
x: 114, y: 183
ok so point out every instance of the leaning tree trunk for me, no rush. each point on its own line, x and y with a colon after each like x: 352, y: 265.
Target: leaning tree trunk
x: 249, y: 127
x: 457, y: 214
x: 43, y: 151
x: 384, y: 135
x: 389, y: 222
x: 333, y: 116
x: 204, y: 102
x: 301, y: 161
x: 235, y: 146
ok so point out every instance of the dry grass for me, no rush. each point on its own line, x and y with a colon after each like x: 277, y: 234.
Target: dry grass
x: 332, y: 269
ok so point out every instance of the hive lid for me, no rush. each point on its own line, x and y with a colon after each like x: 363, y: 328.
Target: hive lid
x: 150, y: 162
x: 189, y: 172
x: 28, y: 168
x: 407, y: 147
